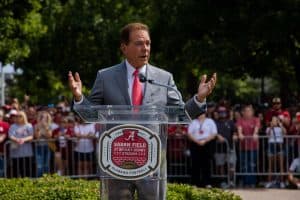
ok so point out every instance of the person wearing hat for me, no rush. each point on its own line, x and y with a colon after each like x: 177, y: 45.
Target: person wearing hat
x: 276, y: 110
x: 12, y: 116
x: 226, y: 135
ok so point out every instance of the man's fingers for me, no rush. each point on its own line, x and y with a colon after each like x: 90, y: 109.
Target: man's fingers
x: 71, y: 79
x: 213, y: 80
x: 214, y: 77
x: 77, y: 77
x: 203, y: 79
x: 70, y: 75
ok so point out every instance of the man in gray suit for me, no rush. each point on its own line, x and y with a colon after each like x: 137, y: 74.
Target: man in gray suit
x: 119, y: 85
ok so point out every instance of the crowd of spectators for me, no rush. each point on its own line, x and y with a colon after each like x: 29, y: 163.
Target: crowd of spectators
x: 254, y: 134
x: 52, y: 139
x: 45, y: 139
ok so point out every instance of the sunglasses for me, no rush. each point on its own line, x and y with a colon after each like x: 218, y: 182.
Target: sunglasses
x: 276, y: 103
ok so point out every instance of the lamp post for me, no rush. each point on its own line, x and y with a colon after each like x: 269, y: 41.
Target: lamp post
x: 7, y: 72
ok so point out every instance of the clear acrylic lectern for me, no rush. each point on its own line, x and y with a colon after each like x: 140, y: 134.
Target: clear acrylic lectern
x: 132, y: 148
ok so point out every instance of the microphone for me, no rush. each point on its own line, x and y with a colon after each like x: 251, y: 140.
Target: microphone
x: 144, y: 79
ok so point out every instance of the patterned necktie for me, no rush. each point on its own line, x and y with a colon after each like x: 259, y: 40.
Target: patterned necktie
x: 137, y: 95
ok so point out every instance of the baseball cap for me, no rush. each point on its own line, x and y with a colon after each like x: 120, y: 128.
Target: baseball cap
x: 13, y: 112
x: 222, y: 109
x: 276, y: 100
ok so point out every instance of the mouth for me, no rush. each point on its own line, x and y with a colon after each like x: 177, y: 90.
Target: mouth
x: 144, y: 56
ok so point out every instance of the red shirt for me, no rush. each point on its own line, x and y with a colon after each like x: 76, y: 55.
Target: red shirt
x: 68, y: 132
x: 270, y: 113
x: 248, y: 126
x: 294, y: 132
x: 62, y: 143
x: 4, y: 126
x: 177, y: 129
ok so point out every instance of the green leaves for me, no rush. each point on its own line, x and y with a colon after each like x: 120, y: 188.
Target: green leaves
x: 55, y: 187
x: 20, y: 25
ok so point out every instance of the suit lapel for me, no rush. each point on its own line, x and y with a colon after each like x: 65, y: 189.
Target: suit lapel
x: 149, y: 88
x: 121, y: 79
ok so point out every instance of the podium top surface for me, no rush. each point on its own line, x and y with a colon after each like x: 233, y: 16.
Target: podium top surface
x: 125, y: 114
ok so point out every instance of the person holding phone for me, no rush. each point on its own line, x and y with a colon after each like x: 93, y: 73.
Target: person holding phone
x: 42, y: 133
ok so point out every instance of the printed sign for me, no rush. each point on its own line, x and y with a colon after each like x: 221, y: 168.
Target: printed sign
x: 129, y: 152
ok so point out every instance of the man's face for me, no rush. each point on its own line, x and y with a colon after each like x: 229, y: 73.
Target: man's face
x: 137, y: 51
x: 248, y: 112
x: 277, y: 106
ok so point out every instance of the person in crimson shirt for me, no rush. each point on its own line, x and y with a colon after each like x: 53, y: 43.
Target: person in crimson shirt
x: 4, y: 126
x: 248, y: 127
x: 62, y: 134
x: 276, y: 110
x: 176, y: 141
x: 294, y: 139
x: 177, y: 148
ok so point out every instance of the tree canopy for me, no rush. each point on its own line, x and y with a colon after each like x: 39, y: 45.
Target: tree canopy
x: 237, y: 39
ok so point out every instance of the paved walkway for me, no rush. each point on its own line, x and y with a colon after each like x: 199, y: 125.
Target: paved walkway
x: 267, y: 194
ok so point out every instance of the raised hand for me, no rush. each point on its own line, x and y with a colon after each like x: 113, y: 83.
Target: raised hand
x: 75, y: 85
x: 205, y: 88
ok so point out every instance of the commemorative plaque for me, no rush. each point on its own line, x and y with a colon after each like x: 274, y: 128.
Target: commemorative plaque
x: 129, y: 152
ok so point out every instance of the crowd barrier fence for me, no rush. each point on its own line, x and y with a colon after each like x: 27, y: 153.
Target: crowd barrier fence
x: 230, y: 164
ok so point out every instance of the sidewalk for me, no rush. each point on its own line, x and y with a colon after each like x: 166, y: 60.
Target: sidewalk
x: 267, y: 194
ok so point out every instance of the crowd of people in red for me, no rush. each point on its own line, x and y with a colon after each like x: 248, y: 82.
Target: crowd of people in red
x: 51, y: 139
x: 258, y: 137
x: 44, y: 139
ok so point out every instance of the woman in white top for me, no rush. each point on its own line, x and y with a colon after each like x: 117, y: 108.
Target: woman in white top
x: 275, y: 131
x: 21, y: 152
x: 84, y: 150
x: 201, y: 132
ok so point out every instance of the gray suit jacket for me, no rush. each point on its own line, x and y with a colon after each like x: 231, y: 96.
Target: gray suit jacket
x: 111, y: 88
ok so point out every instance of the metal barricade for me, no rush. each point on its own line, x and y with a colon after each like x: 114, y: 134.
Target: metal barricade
x: 247, y: 159
x: 48, y: 157
x: 180, y: 161
x: 259, y: 160
x: 178, y: 158
x: 224, y: 162
x: 59, y: 156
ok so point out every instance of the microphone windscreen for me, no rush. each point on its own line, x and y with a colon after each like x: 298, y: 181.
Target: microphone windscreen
x: 142, y: 78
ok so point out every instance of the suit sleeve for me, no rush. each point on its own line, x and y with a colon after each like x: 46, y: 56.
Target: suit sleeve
x: 193, y: 109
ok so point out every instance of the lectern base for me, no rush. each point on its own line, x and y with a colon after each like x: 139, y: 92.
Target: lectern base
x: 145, y: 189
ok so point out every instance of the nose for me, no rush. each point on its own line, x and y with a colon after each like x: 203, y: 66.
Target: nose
x: 145, y: 46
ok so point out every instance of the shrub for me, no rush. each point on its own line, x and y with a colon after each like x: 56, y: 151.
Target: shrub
x: 55, y: 187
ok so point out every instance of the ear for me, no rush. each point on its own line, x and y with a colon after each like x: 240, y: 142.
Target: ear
x: 123, y: 48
